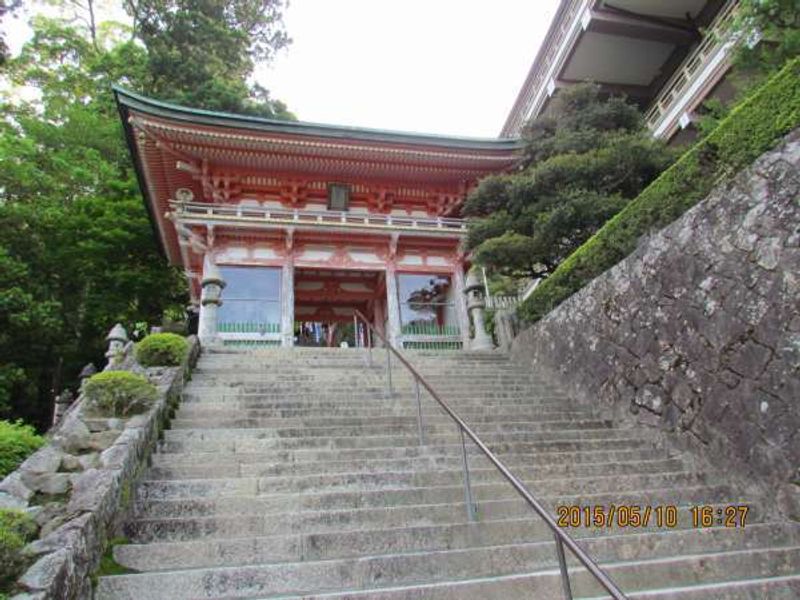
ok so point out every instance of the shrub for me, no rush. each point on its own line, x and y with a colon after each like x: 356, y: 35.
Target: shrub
x: 161, y: 350
x: 16, y: 530
x: 119, y: 393
x: 17, y: 442
x: 751, y: 129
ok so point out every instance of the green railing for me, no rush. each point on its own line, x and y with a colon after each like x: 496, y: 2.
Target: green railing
x: 430, y: 329
x: 249, y: 327
x: 431, y: 345
x: 430, y: 336
x: 251, y: 343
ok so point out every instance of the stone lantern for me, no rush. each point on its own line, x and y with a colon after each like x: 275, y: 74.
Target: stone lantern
x: 475, y: 305
x: 116, y: 338
x: 210, y: 301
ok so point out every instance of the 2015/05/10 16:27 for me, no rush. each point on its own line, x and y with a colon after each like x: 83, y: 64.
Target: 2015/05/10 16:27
x: 661, y: 516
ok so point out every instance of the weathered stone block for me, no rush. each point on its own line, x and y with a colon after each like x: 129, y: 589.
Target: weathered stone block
x: 47, y: 483
x: 103, y: 439
x: 50, y: 573
x: 90, y: 490
x: 73, y: 436
x: 11, y: 502
x: 14, y: 486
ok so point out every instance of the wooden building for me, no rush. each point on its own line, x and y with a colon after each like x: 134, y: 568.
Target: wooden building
x: 305, y: 223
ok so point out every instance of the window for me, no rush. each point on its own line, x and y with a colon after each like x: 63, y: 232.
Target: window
x: 427, y: 305
x: 250, y: 300
x: 338, y: 196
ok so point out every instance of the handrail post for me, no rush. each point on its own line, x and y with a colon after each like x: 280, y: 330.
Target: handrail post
x: 419, y: 411
x: 467, y: 484
x: 369, y: 345
x: 562, y: 564
x: 561, y: 538
x: 389, y: 390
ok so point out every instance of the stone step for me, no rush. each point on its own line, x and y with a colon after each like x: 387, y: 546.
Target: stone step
x: 351, y: 544
x: 290, y: 474
x: 394, y: 488
x: 438, y: 431
x: 270, y: 516
x: 362, y: 378
x: 385, y: 426
x: 429, y: 507
x: 305, y: 461
x: 775, y: 588
x: 366, y: 473
x: 214, y: 440
x: 166, y: 469
x: 362, y: 367
x: 331, y: 412
x: 340, y: 446
x: 255, y: 581
x: 337, y: 384
x: 237, y: 401
x: 285, y: 354
x: 522, y: 586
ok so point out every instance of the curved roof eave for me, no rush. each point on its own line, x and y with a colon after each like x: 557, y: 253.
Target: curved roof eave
x: 167, y: 110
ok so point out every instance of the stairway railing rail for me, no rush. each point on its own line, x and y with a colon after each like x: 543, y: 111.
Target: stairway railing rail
x: 561, y: 537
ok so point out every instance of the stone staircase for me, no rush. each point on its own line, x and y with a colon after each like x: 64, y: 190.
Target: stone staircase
x: 290, y: 474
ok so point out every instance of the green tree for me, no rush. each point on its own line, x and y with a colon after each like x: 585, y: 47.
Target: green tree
x: 76, y: 247
x: 777, y: 25
x: 202, y: 52
x: 768, y: 36
x: 77, y: 251
x: 7, y: 7
x: 581, y: 165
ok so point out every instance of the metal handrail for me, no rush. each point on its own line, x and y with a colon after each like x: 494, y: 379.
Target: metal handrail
x: 561, y: 538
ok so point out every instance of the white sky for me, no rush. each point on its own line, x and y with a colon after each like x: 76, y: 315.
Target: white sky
x: 432, y: 66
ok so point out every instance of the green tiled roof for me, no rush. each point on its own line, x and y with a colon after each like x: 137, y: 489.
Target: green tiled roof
x: 128, y: 99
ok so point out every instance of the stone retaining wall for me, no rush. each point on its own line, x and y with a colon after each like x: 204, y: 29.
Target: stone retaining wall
x: 697, y: 333
x: 79, y: 486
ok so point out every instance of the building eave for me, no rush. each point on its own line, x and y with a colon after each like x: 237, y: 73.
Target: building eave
x: 131, y: 100
x: 138, y: 166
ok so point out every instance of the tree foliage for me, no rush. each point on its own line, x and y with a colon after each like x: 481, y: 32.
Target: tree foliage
x: 752, y: 128
x: 202, y: 52
x: 777, y: 24
x: 768, y: 36
x: 77, y: 250
x: 582, y: 163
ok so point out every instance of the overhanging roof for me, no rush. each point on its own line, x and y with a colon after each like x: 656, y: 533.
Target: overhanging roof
x: 627, y: 46
x: 179, y: 147
x: 130, y: 101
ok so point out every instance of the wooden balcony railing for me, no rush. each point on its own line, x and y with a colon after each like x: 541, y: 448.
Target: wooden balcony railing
x: 711, y: 52
x: 261, y: 217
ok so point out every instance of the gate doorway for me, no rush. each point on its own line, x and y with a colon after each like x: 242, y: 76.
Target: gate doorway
x: 325, y: 304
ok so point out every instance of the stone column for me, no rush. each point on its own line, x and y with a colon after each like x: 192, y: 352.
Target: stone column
x: 210, y: 301
x: 474, y: 291
x: 287, y: 303
x: 377, y: 320
x: 392, y: 306
x: 460, y: 301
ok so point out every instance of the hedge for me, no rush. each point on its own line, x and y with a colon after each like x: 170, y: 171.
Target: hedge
x: 16, y: 530
x: 119, y: 393
x: 751, y: 129
x: 161, y: 350
x: 17, y: 442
